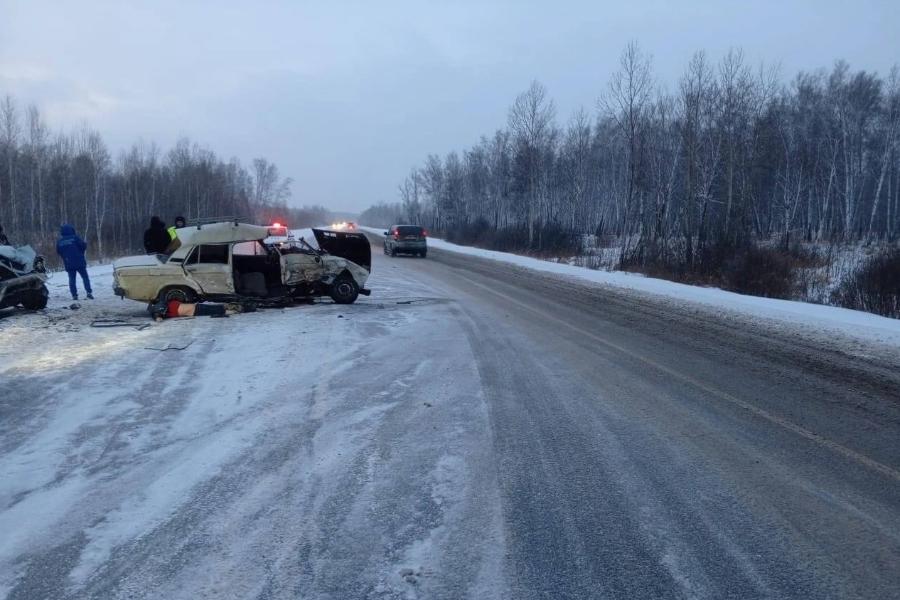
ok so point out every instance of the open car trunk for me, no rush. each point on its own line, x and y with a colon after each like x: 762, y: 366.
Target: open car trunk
x: 352, y: 246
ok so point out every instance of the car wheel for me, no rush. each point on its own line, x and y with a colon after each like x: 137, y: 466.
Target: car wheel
x: 393, y: 251
x: 36, y: 299
x: 384, y: 249
x: 423, y: 253
x: 180, y: 294
x: 344, y: 290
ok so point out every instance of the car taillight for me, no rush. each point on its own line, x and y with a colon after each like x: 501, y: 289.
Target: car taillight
x: 424, y: 233
x: 396, y: 235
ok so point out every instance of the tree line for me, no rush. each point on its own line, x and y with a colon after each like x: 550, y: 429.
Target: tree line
x: 731, y: 156
x: 48, y: 178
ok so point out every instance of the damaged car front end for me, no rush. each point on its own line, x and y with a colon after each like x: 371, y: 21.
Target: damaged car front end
x: 23, y: 278
x: 338, y: 268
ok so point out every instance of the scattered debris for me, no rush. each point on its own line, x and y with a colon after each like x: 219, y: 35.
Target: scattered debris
x: 170, y: 347
x: 139, y: 325
x: 74, y: 306
x: 413, y: 575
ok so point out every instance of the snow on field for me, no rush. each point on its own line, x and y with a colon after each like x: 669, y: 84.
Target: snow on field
x: 824, y: 319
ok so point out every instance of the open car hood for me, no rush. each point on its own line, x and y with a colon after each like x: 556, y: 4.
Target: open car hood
x: 352, y: 246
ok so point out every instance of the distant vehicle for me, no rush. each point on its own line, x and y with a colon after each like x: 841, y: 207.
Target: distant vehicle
x: 23, y: 278
x: 344, y: 226
x: 406, y: 239
x: 230, y: 261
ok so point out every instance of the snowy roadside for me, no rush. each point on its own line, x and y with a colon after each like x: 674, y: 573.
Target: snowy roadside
x: 61, y: 335
x: 120, y: 459
x: 811, y: 317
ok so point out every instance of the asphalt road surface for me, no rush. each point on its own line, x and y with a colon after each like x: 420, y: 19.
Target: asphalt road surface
x: 471, y: 430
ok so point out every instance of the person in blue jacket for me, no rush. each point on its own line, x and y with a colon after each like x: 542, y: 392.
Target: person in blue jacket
x: 71, y: 248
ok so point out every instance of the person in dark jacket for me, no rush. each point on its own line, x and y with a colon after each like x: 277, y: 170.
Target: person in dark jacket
x: 71, y: 248
x: 4, y: 241
x: 156, y: 238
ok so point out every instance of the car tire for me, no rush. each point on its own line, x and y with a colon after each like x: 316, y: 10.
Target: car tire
x: 344, y: 290
x: 180, y: 294
x: 423, y: 253
x: 393, y: 251
x: 36, y: 299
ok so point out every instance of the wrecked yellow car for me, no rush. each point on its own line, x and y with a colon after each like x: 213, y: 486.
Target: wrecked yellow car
x: 231, y: 261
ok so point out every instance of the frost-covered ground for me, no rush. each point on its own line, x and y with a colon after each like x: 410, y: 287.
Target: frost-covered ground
x: 471, y: 430
x: 808, y: 316
x: 235, y: 457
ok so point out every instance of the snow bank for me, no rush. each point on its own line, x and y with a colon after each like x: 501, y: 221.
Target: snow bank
x: 843, y: 321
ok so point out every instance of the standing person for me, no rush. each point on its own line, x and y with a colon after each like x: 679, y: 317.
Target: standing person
x: 4, y: 241
x: 174, y: 242
x: 71, y: 248
x: 179, y: 223
x: 156, y: 238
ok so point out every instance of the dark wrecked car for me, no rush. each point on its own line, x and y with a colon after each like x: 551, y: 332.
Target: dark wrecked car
x: 23, y: 278
x: 228, y: 261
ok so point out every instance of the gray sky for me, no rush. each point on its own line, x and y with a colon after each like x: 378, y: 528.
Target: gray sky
x: 346, y: 97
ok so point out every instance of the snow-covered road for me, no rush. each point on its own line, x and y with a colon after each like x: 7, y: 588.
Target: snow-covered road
x: 316, y: 450
x: 471, y: 430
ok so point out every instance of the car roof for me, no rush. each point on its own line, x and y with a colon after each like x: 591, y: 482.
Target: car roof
x: 221, y: 233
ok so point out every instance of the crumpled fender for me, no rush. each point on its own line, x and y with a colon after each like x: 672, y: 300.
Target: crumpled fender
x: 334, y: 267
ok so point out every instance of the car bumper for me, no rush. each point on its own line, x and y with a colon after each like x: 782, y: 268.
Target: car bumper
x: 410, y: 245
x: 13, y: 290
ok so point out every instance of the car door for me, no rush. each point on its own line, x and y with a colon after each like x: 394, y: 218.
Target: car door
x: 209, y: 266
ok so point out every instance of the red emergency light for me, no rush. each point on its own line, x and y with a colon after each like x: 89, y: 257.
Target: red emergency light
x: 278, y: 230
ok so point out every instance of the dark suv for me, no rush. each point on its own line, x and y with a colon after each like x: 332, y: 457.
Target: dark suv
x: 409, y: 239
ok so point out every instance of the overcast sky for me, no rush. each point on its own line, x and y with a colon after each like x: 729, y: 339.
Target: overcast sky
x: 346, y: 97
